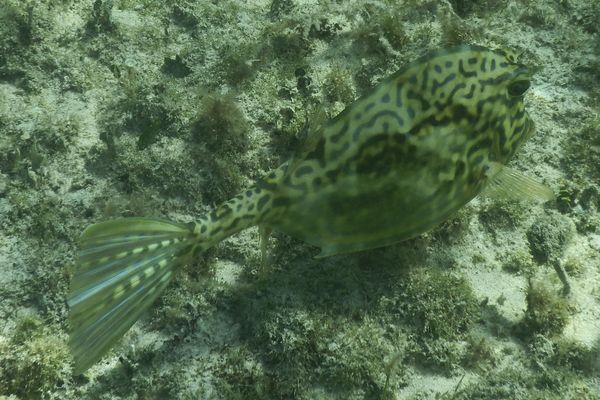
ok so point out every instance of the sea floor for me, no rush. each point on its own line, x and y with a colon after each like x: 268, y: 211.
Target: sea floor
x: 116, y: 108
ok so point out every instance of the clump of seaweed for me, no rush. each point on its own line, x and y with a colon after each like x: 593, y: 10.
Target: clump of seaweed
x: 519, y: 383
x: 176, y: 67
x: 587, y: 15
x: 456, y: 31
x: 441, y: 308
x: 33, y: 361
x: 519, y: 263
x: 479, y: 353
x: 382, y: 33
x: 221, y: 125
x: 17, y: 27
x: 140, y: 109
x: 338, y: 85
x: 583, y: 150
x: 100, y: 18
x: 280, y: 8
x: 547, y: 311
x: 439, y: 303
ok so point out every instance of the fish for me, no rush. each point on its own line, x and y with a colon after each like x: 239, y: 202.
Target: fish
x: 392, y: 165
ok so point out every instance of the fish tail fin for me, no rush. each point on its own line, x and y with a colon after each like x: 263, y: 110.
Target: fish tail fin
x: 123, y: 265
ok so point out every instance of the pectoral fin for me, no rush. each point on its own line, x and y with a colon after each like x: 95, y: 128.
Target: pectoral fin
x: 506, y: 183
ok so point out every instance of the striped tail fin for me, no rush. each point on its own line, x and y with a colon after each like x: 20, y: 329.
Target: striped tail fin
x: 123, y: 266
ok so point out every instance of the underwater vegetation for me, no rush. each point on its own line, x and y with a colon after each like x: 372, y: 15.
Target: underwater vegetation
x: 120, y: 108
x: 34, y: 360
x: 384, y: 170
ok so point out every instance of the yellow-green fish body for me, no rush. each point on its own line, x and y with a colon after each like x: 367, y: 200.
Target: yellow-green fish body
x: 392, y: 165
x: 399, y: 160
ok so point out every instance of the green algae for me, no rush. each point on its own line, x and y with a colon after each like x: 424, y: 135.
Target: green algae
x: 34, y: 359
x: 98, y: 103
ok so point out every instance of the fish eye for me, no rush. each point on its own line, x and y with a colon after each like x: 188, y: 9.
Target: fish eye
x: 518, y: 88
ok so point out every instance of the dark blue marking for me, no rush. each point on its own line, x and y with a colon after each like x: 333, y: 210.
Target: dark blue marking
x: 410, y: 111
x: 471, y: 92
x: 336, y: 153
x: 460, y: 168
x: 303, y: 170
x: 493, y: 66
x: 224, y: 210
x: 386, y: 127
x: 399, y: 95
x: 487, y: 82
x: 385, y: 98
x: 412, y: 79
x: 280, y: 202
x: 233, y: 224
x: 377, y: 155
x: 373, y: 120
x: 410, y: 94
x: 318, y: 152
x: 448, y: 64
x: 456, y: 89
x: 262, y: 184
x: 332, y: 174
x: 296, y: 186
x: 466, y: 74
x: 460, y: 113
x: 472, y: 60
x: 456, y: 148
x: 436, y: 85
x: 520, y: 114
x: 483, y: 66
x: 495, y: 81
x: 262, y: 202
x: 478, y: 160
x: 500, y: 132
x: 437, y: 68
x: 369, y: 106
x: 474, y: 181
x: 400, y: 138
x: 503, y: 64
x: 486, y: 143
x: 335, y: 138
x: 482, y: 102
x: 517, y: 130
x: 425, y: 79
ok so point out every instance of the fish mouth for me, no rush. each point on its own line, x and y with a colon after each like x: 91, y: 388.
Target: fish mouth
x: 529, y: 128
x: 524, y: 73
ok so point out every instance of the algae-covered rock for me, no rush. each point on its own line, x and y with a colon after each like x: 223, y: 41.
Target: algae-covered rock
x: 548, y: 236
